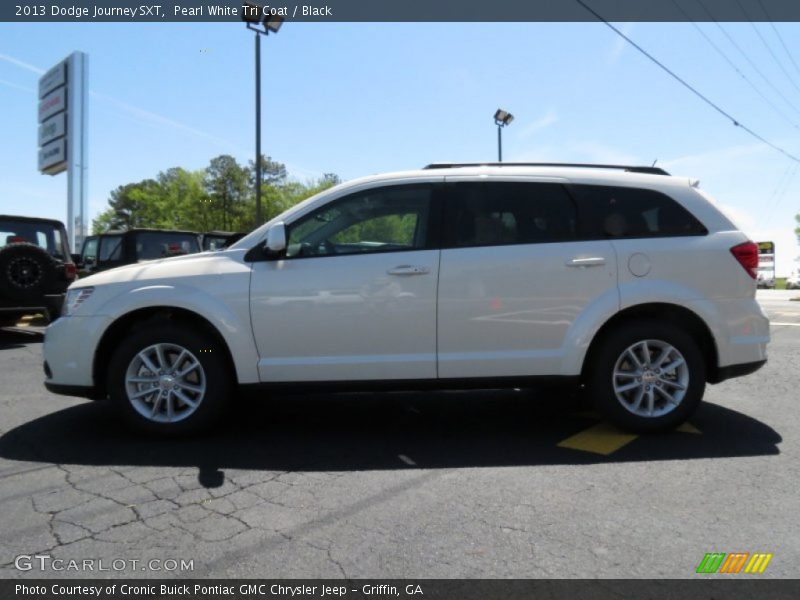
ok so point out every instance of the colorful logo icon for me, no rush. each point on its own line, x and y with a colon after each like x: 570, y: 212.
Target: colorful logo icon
x: 720, y: 562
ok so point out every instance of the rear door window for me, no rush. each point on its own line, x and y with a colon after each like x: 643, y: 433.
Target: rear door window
x: 504, y: 213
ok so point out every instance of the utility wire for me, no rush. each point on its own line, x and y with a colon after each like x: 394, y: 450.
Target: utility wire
x: 688, y: 86
x: 734, y: 67
x: 778, y: 195
x: 747, y: 58
x: 779, y: 36
x: 767, y: 46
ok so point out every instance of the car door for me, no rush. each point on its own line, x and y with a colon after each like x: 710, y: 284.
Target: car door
x: 515, y: 278
x: 353, y: 297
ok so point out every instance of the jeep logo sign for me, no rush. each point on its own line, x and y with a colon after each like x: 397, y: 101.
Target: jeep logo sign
x: 52, y: 129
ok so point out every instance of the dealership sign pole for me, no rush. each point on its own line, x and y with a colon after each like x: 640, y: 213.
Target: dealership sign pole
x: 63, y: 146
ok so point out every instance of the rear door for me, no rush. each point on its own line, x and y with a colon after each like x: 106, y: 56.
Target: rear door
x: 515, y: 277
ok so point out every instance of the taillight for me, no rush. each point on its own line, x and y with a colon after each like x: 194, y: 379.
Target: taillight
x: 70, y: 270
x: 747, y: 255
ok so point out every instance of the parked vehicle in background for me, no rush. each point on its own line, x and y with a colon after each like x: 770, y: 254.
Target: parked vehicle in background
x: 765, y: 278
x: 793, y: 281
x: 217, y: 240
x: 35, y: 267
x: 621, y: 279
x: 118, y: 248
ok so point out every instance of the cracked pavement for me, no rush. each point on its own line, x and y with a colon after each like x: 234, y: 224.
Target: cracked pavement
x: 401, y: 485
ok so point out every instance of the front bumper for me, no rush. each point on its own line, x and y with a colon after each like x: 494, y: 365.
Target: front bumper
x: 69, y: 349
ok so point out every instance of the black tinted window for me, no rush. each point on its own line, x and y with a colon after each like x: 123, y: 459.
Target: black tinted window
x: 110, y: 248
x: 499, y: 213
x: 156, y: 244
x: 620, y: 212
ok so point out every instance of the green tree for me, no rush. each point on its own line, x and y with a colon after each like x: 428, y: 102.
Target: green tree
x: 218, y: 197
x: 227, y: 185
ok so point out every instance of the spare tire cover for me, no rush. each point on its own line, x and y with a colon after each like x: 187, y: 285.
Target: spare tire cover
x: 26, y: 272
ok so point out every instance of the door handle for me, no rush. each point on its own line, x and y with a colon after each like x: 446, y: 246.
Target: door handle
x: 408, y: 270
x: 595, y: 261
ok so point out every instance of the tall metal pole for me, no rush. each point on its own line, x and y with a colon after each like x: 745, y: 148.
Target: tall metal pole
x: 258, y: 130
x: 499, y: 143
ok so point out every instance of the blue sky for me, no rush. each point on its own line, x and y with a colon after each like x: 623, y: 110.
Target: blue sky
x: 362, y: 98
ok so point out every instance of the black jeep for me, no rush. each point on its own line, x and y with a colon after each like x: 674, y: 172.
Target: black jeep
x: 35, y: 267
x: 117, y: 248
x: 217, y: 240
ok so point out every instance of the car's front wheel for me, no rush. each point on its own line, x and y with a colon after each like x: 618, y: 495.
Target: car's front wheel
x: 169, y: 379
x: 647, y: 376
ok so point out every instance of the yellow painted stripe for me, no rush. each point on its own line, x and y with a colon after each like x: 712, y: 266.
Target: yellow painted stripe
x: 599, y: 439
x: 767, y: 558
x: 755, y: 563
x: 688, y: 428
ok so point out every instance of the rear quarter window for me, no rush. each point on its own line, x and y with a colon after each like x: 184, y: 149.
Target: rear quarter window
x: 624, y: 212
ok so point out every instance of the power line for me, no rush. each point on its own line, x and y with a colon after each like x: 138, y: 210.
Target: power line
x: 779, y: 36
x: 767, y: 46
x: 778, y: 195
x: 747, y: 58
x: 734, y: 67
x: 688, y: 86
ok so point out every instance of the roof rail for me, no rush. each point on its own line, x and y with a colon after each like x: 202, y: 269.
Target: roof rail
x: 629, y: 168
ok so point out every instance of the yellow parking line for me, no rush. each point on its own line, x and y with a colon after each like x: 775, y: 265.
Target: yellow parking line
x: 687, y: 428
x: 599, y: 439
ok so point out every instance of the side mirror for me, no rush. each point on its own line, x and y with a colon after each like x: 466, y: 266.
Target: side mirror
x: 276, y: 238
x: 77, y: 259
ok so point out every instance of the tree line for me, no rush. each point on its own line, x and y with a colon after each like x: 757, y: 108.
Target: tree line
x: 219, y: 197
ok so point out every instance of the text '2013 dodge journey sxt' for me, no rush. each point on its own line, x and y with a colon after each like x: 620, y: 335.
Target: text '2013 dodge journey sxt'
x: 625, y: 280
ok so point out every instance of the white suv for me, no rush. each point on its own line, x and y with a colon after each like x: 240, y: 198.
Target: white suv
x: 622, y: 279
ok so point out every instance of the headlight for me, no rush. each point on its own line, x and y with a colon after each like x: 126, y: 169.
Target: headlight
x: 75, y: 297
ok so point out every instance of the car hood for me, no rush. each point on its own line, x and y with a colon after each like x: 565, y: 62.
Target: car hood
x: 175, y: 267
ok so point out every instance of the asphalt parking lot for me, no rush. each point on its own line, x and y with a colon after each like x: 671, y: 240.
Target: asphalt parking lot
x: 489, y: 484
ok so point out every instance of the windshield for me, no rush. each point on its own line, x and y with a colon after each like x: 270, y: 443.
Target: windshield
x: 162, y: 244
x: 45, y: 235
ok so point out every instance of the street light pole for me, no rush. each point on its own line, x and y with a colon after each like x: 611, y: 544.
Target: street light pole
x: 501, y: 119
x: 258, y: 129
x: 499, y: 143
x: 260, y: 20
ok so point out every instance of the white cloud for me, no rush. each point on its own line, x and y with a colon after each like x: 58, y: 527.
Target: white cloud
x: 545, y: 120
x: 619, y: 44
x: 22, y: 64
x: 16, y: 86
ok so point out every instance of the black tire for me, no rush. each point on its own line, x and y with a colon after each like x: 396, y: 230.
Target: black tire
x: 601, y: 376
x: 217, y: 375
x: 27, y: 272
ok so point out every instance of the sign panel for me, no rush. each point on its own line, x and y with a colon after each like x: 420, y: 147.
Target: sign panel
x: 62, y: 135
x: 766, y: 247
x: 52, y: 129
x: 53, y: 157
x: 52, y: 104
x: 54, y: 78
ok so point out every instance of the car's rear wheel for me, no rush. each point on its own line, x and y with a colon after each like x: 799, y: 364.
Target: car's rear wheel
x: 647, y: 376
x: 170, y: 380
